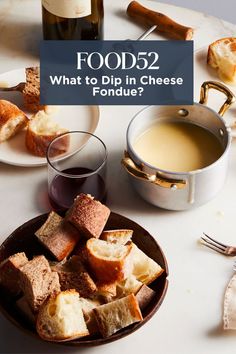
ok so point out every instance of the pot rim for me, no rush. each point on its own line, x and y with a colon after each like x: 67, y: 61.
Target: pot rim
x: 189, y: 173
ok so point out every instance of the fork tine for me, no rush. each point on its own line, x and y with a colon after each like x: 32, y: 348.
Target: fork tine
x: 212, y: 239
x: 222, y: 248
x: 212, y: 247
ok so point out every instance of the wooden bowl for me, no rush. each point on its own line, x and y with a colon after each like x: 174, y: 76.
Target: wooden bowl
x: 23, y: 240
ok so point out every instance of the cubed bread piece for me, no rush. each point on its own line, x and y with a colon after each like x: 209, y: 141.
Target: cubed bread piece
x: 88, y: 215
x: 41, y: 130
x: 61, y: 318
x: 73, y: 275
x: 31, y: 92
x: 222, y: 57
x: 58, y: 236
x: 145, y: 269
x: 121, y: 237
x: 144, y: 296
x: 9, y: 272
x: 117, y: 315
x: 12, y: 120
x: 87, y: 308
x: 128, y: 286
x: 109, y: 261
x: 106, y: 291
x: 38, y: 281
x: 25, y: 309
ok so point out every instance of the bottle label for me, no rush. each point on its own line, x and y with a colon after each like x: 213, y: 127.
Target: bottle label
x: 68, y: 8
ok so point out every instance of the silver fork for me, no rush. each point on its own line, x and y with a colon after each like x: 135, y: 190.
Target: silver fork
x: 218, y: 246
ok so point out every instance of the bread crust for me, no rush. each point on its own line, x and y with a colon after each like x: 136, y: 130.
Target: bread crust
x: 122, y: 313
x: 88, y: 215
x: 37, y: 144
x: 108, y: 270
x: 58, y: 236
x: 211, y: 59
x: 9, y: 112
x: 42, y: 321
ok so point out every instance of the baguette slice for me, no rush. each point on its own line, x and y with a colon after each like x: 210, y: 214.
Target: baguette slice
x: 145, y: 269
x: 117, y: 315
x: 128, y: 286
x: 12, y: 120
x: 61, y: 318
x: 58, y: 236
x: 109, y: 261
x: 121, y: 237
x: 10, y: 273
x: 42, y: 129
x: 222, y: 57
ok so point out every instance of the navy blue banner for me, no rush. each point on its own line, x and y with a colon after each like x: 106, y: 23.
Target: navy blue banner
x: 116, y: 72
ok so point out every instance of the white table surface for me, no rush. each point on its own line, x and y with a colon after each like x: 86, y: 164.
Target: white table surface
x: 190, y: 319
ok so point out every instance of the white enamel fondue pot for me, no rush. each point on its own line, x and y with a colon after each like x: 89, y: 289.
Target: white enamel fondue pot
x: 180, y: 190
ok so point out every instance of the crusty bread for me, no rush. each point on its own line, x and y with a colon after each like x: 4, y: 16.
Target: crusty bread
x: 145, y: 269
x: 109, y: 261
x: 117, y: 236
x: 37, y: 281
x: 41, y: 130
x: 73, y: 275
x: 106, y: 291
x: 87, y: 308
x: 31, y: 92
x: 25, y: 309
x: 117, y: 315
x: 144, y: 296
x: 128, y: 286
x: 9, y: 272
x: 222, y: 56
x: 88, y: 215
x: 12, y: 120
x: 61, y: 318
x: 58, y: 236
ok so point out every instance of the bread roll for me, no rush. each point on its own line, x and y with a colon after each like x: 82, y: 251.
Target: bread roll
x: 222, y: 57
x: 12, y: 120
x: 61, y: 318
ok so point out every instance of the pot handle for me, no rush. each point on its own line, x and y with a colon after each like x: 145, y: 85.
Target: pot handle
x: 206, y: 86
x: 157, y: 179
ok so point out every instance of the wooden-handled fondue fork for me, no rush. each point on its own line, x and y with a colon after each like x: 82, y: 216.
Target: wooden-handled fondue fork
x: 159, y: 22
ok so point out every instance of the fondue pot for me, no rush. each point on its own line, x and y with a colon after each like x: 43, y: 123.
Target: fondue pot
x: 180, y: 190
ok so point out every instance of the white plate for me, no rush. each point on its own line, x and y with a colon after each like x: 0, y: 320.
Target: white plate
x: 203, y: 72
x: 13, y: 151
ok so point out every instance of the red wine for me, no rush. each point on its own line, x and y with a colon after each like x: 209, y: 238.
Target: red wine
x: 63, y: 190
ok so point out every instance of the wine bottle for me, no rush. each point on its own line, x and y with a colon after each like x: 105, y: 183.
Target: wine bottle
x: 72, y: 19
